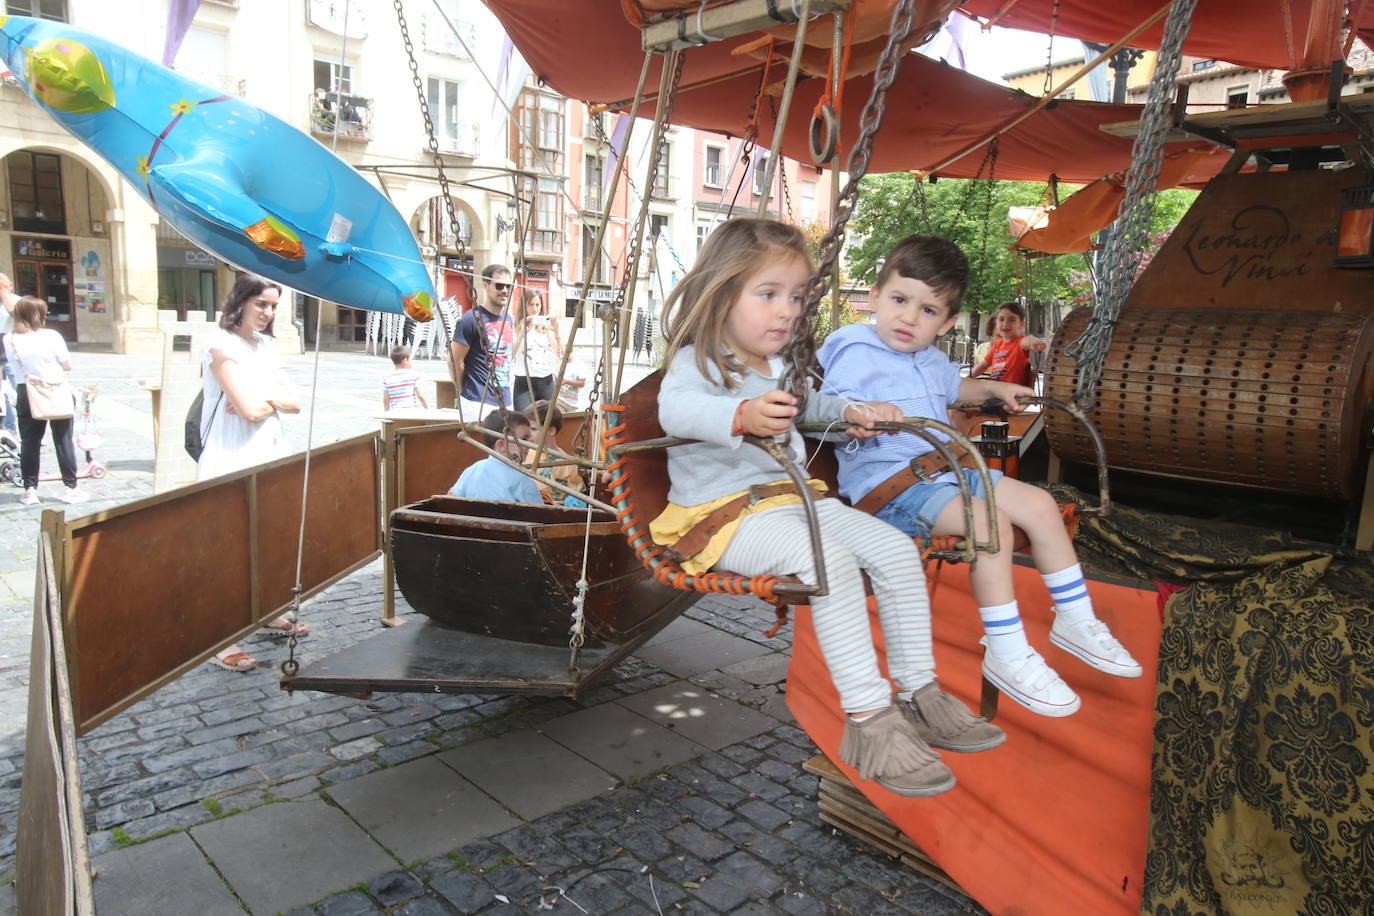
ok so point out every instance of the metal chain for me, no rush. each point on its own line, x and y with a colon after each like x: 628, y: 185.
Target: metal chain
x: 631, y: 266
x: 433, y: 143
x: 989, y: 187
x: 1049, y: 50
x: 800, y: 352
x: 1131, y: 230
x: 782, y: 172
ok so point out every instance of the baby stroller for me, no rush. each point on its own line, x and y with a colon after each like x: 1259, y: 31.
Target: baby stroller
x: 85, y: 436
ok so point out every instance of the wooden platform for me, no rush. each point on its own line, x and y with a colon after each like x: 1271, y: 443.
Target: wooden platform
x: 845, y: 808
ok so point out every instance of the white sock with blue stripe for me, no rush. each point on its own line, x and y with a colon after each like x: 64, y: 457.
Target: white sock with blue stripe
x: 1006, y: 635
x: 1070, y: 594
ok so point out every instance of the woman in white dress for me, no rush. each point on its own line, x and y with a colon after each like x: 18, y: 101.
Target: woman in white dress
x: 537, y: 351
x: 245, y: 390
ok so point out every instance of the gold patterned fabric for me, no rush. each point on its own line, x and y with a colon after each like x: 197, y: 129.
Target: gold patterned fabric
x: 1262, y: 777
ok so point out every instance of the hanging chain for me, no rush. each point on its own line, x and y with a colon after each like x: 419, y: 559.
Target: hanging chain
x: 800, y: 352
x: 1131, y: 230
x: 1049, y: 50
x: 433, y: 143
x: 989, y: 187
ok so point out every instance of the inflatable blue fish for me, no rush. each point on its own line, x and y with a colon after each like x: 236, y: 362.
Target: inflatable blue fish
x: 240, y: 183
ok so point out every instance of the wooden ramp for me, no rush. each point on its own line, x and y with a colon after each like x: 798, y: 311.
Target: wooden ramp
x: 1054, y: 821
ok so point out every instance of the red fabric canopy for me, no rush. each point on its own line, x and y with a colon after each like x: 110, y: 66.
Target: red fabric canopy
x: 586, y: 50
x: 1247, y: 32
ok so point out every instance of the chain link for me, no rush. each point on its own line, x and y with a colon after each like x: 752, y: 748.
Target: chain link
x: 1126, y: 244
x: 433, y: 143
x: 800, y: 352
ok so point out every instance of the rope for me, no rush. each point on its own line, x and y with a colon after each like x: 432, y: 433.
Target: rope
x: 289, y: 665
x: 655, y: 558
x: 1126, y: 244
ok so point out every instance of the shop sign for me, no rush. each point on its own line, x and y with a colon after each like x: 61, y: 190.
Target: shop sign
x: 43, y: 249
x: 174, y: 257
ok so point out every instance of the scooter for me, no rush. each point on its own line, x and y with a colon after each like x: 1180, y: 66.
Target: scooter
x: 87, y: 439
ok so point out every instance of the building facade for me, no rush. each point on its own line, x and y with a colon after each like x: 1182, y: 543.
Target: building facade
x: 72, y: 232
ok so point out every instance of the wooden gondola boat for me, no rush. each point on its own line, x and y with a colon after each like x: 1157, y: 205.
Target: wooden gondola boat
x: 454, y: 556
x: 495, y: 584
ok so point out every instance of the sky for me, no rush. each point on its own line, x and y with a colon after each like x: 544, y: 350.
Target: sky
x: 991, y: 54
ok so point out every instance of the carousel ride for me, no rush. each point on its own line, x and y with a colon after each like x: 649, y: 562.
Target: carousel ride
x: 1239, y: 358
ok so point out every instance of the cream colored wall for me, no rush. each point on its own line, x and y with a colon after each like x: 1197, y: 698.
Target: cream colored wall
x: 272, y: 48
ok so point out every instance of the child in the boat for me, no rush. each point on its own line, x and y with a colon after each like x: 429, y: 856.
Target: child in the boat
x: 730, y: 504
x: 915, y: 299
x: 541, y: 414
x: 492, y: 478
x: 1008, y: 358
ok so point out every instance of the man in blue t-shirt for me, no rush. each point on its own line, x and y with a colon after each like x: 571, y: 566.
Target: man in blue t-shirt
x: 482, y: 343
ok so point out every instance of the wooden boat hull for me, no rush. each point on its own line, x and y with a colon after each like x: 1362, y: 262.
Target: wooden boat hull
x: 510, y: 571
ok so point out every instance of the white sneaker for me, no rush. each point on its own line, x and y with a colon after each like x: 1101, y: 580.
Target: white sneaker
x: 1091, y: 641
x: 73, y: 495
x: 1032, y: 683
x: 30, y: 497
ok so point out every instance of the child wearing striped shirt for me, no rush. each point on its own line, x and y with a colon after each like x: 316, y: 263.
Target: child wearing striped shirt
x: 401, y: 388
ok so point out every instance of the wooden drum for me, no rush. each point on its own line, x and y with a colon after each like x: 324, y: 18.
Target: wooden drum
x: 1274, y: 399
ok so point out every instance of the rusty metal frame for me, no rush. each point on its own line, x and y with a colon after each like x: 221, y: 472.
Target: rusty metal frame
x: 94, y: 579
x: 970, y: 547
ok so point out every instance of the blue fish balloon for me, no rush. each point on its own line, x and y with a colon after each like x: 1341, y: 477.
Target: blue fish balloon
x: 240, y: 183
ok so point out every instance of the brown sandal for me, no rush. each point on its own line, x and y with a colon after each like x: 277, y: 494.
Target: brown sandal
x: 235, y: 661
x: 272, y: 628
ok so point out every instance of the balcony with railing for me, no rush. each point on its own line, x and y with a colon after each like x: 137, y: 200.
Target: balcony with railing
x: 439, y: 38
x: 592, y: 197
x: 348, y: 116
x: 459, y: 138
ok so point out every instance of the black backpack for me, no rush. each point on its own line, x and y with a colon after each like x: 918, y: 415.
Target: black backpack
x: 195, y: 436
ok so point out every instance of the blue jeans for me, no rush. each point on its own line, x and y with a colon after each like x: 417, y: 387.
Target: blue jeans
x: 915, y: 510
x: 11, y: 416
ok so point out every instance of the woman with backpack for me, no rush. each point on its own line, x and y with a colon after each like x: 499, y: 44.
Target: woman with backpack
x: 244, y: 392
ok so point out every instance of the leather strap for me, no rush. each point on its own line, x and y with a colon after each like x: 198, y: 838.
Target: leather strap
x: 920, y: 470
x: 700, y: 534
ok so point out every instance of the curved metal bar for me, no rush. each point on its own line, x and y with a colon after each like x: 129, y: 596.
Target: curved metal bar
x: 917, y: 426
x: 1104, y: 496
x: 813, y: 522
x: 795, y: 591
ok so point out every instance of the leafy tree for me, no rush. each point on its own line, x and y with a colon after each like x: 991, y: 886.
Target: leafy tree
x: 974, y: 214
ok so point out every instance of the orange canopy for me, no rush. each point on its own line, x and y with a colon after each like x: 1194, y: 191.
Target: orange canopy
x: 1068, y: 228
x: 587, y: 50
x: 1253, y: 33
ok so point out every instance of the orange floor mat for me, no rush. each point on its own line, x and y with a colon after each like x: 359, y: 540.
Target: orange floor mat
x: 1054, y: 821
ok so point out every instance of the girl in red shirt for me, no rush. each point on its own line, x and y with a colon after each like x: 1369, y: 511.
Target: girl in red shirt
x: 1008, y: 360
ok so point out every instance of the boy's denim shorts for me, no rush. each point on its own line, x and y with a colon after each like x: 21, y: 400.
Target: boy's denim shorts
x: 916, y: 508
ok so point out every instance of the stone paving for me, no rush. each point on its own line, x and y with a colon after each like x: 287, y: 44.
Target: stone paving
x: 673, y: 787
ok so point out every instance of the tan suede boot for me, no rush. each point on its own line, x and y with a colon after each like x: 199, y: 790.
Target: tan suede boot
x: 887, y: 749
x: 945, y: 722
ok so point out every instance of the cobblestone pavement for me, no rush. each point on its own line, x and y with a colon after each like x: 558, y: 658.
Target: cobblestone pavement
x: 730, y: 828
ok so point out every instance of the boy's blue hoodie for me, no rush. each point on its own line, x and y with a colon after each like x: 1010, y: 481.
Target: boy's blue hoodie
x: 859, y: 366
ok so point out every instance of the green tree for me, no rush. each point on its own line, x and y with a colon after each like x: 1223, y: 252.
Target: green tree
x: 974, y: 214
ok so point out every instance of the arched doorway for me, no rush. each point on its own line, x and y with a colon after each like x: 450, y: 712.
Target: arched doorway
x: 452, y: 271
x: 53, y: 228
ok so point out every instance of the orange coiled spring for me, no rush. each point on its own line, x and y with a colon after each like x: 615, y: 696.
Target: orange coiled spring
x: 655, y: 557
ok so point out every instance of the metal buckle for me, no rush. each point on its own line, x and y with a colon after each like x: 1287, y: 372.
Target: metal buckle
x: 921, y: 475
x: 754, y: 495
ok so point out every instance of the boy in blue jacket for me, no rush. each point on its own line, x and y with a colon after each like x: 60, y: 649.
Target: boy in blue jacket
x: 916, y: 298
